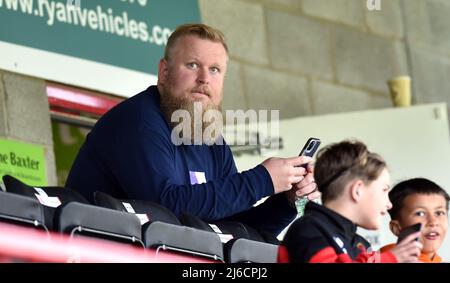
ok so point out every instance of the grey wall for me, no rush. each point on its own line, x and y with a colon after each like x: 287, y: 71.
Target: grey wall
x: 312, y: 57
x: 25, y: 116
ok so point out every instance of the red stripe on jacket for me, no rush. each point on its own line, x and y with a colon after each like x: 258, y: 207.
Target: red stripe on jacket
x: 328, y: 255
x: 283, y: 255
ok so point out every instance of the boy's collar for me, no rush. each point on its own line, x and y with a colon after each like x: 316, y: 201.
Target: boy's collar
x: 348, y: 227
x: 425, y: 258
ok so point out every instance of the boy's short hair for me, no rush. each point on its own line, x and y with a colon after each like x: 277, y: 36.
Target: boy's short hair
x: 410, y: 187
x: 339, y: 163
x: 200, y: 30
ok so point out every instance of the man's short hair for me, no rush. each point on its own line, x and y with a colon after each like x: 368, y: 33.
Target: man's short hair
x: 200, y: 30
x: 409, y: 187
x: 340, y: 163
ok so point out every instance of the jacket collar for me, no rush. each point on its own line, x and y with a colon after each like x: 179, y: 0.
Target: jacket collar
x: 343, y: 224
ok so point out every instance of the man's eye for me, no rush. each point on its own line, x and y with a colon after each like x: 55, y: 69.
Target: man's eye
x: 441, y: 213
x: 215, y: 70
x: 192, y: 65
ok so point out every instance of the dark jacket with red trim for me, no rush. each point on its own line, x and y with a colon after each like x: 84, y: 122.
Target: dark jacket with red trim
x: 323, y: 235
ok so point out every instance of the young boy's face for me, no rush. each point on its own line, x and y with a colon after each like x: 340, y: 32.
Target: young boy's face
x: 430, y: 210
x: 375, y: 203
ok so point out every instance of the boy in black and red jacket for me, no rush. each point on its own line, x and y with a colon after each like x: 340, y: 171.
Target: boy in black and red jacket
x: 354, y: 184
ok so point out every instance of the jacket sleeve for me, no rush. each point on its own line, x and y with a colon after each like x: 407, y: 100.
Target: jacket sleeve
x: 147, y: 172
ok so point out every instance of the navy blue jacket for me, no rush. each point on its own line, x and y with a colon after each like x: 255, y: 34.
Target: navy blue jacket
x: 129, y: 154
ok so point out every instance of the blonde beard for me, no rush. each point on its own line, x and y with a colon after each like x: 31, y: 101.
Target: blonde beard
x: 171, y: 103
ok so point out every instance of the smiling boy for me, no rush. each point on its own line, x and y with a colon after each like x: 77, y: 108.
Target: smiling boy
x: 420, y: 200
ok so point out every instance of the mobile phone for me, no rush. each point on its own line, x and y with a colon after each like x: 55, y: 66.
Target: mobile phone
x: 408, y: 231
x: 310, y: 148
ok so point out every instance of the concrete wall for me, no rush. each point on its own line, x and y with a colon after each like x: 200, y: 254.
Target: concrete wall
x: 313, y: 57
x: 25, y: 115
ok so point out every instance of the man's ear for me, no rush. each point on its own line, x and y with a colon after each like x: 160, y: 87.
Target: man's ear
x: 163, y: 70
x: 395, y: 227
x: 356, y: 190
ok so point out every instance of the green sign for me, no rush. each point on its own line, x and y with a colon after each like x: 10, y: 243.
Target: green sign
x: 130, y: 34
x: 23, y: 161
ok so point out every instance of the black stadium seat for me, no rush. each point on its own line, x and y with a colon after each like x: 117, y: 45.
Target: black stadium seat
x: 78, y: 218
x: 153, y: 211
x: 21, y: 210
x: 222, y: 227
x: 163, y: 229
x: 245, y: 250
x: 60, y: 194
x: 69, y: 212
x: 183, y: 239
x: 14, y: 185
x: 246, y: 244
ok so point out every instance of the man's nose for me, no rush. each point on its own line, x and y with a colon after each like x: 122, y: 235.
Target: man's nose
x: 203, y: 76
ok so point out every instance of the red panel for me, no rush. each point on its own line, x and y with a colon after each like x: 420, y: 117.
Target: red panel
x: 31, y: 245
x: 78, y: 100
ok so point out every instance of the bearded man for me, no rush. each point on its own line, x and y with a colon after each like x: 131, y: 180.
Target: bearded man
x: 133, y: 151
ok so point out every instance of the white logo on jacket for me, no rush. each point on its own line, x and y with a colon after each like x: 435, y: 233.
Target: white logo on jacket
x: 340, y: 243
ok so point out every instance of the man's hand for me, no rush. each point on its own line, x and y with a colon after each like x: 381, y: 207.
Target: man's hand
x: 409, y: 249
x: 286, y: 171
x: 306, y: 187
